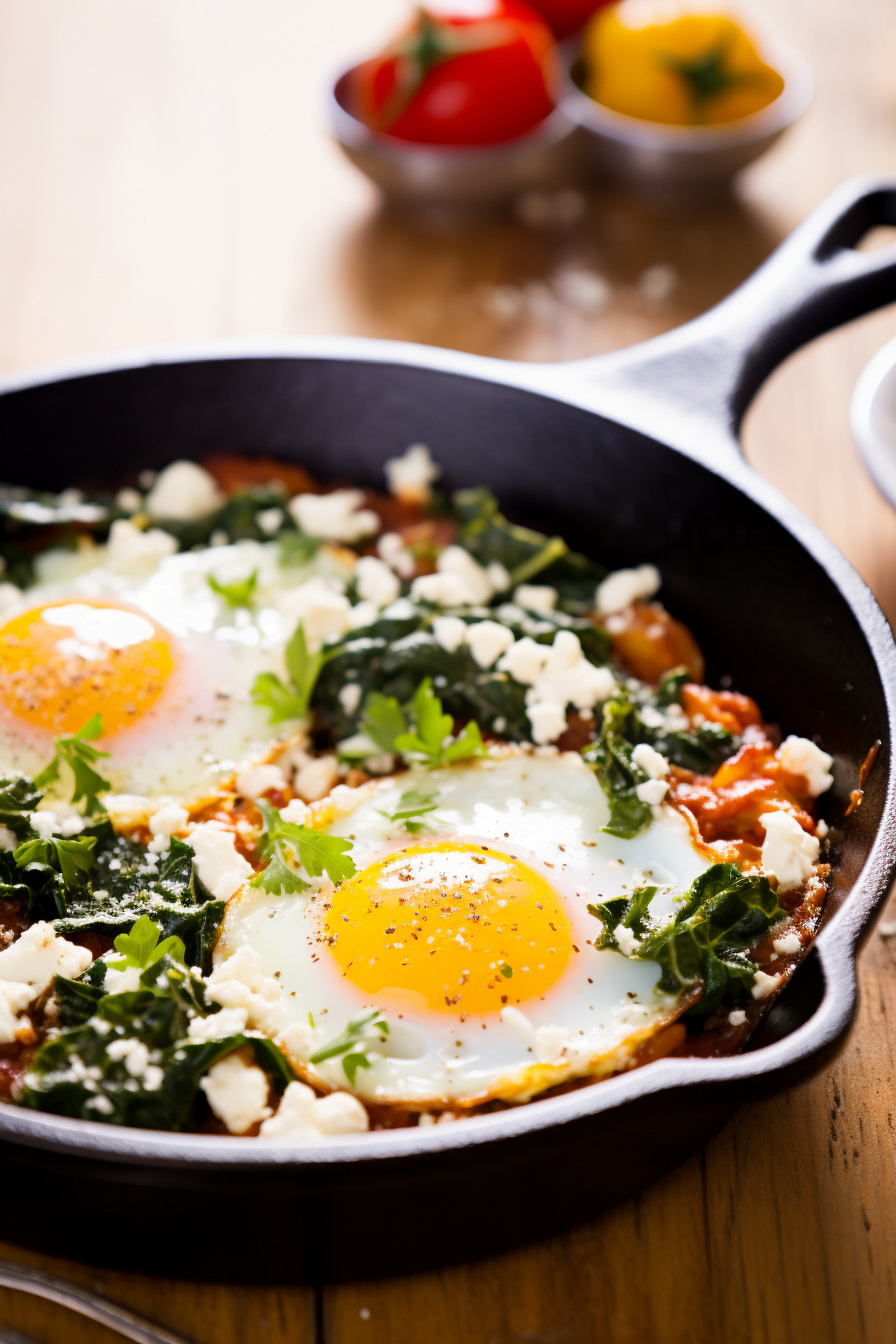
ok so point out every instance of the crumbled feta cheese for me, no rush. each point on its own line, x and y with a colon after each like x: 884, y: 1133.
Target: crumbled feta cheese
x: 337, y: 516
x: 253, y: 781
x: 129, y: 499
x: 215, y: 1027
x: 410, y: 477
x: 449, y: 632
x: 625, y: 586
x: 498, y: 576
x: 325, y: 612
x: 540, y: 598
x: 392, y: 551
x: 569, y: 678
x: 128, y: 548
x: 296, y: 811
x: 788, y: 852
x: 38, y: 954
x: 650, y: 761
x: 302, y: 1115
x: 550, y: 1044
x: 44, y: 822
x: 240, y: 982
x: 763, y: 984
x: 169, y: 818
x: 237, y: 1093
x: 362, y: 614
x: 297, y: 1039
x: 221, y: 869
x: 443, y: 590
x: 821, y: 829
x: 790, y: 943
x: 487, y: 641
x: 344, y: 799
x: 517, y: 1022
x: 9, y: 596
x: 799, y: 756
x: 737, y: 1017
x: 652, y: 791
x: 15, y: 997
x: 524, y: 660
x: 476, y: 581
x: 548, y: 721
x: 8, y: 839
x: 184, y: 491
x: 121, y: 982
x: 134, y: 1053
x: 376, y: 581
x: 269, y: 520
x: 350, y: 697
x: 316, y: 779
x: 626, y: 940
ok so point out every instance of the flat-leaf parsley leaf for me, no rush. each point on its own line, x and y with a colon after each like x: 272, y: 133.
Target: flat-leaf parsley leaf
x: 290, y: 702
x: 79, y: 755
x: 283, y: 842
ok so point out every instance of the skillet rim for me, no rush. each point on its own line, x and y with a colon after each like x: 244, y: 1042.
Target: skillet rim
x: 836, y: 946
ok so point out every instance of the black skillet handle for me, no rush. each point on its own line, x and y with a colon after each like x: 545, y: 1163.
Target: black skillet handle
x: 693, y: 385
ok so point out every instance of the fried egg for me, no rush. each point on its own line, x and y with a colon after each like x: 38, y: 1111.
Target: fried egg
x: 472, y: 938
x: 160, y: 655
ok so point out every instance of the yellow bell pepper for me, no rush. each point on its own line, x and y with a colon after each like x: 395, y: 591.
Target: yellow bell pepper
x: 664, y: 61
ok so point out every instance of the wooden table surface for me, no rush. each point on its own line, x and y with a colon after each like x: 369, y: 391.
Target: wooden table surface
x: 165, y: 178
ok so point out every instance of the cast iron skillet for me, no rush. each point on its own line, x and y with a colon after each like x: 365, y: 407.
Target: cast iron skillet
x: 632, y: 457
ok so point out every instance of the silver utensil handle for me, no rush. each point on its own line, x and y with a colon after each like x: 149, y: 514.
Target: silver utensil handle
x: 86, y: 1303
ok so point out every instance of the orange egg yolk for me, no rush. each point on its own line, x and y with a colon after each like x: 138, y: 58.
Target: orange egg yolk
x: 451, y: 926
x: 63, y: 663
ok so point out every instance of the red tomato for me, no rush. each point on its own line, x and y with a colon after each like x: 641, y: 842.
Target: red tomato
x: 471, y: 72
x: 566, y: 16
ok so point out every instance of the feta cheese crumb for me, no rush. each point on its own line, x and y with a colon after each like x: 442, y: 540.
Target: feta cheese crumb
x: 376, y: 581
x: 295, y: 810
x: 487, y: 641
x: 462, y: 576
x: 15, y: 997
x: 325, y: 612
x: 652, y: 791
x: 227, y: 1022
x: 791, y: 942
x: 337, y: 516
x: 569, y: 678
x: 240, y: 982
x: 626, y: 940
x: 128, y: 548
x: 350, y: 696
x: 524, y: 660
x: 302, y: 1115
x: 269, y: 520
x: 620, y: 589
x: 540, y: 598
x: 763, y: 984
x: 392, y: 551
x: 8, y: 839
x: 184, y: 491
x: 316, y: 779
x: 548, y: 721
x: 134, y: 1053
x: 449, y: 632
x: 221, y: 869
x: 169, y: 818
x: 237, y: 1093
x: 253, y: 781
x: 788, y: 852
x: 650, y: 761
x: 799, y: 756
x: 822, y: 829
x: 411, y: 476
x: 38, y: 954
x: 121, y: 982
x: 550, y: 1044
x: 737, y: 1017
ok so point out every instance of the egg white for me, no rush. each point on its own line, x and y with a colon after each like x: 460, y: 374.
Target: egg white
x: 550, y: 808
x: 204, y: 724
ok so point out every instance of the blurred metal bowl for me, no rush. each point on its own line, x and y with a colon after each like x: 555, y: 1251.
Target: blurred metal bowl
x: 457, y: 177
x: 653, y: 156
x: 872, y: 416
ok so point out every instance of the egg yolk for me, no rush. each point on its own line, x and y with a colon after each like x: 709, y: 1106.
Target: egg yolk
x: 63, y: 663
x: 465, y: 927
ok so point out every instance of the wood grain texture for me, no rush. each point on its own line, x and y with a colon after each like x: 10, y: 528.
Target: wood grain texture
x: 165, y: 179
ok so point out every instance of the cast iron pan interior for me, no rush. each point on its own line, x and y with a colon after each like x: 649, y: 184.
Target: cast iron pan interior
x: 811, y: 648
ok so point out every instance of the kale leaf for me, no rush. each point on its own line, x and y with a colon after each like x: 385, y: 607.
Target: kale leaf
x: 724, y: 912
x: 610, y: 757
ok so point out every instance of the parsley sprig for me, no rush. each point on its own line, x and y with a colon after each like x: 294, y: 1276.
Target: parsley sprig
x: 431, y: 740
x: 283, y: 843
x: 141, y: 947
x: 353, y: 1044
x: 412, y: 805
x: 237, y: 594
x: 80, y: 756
x: 65, y: 856
x: 290, y: 701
